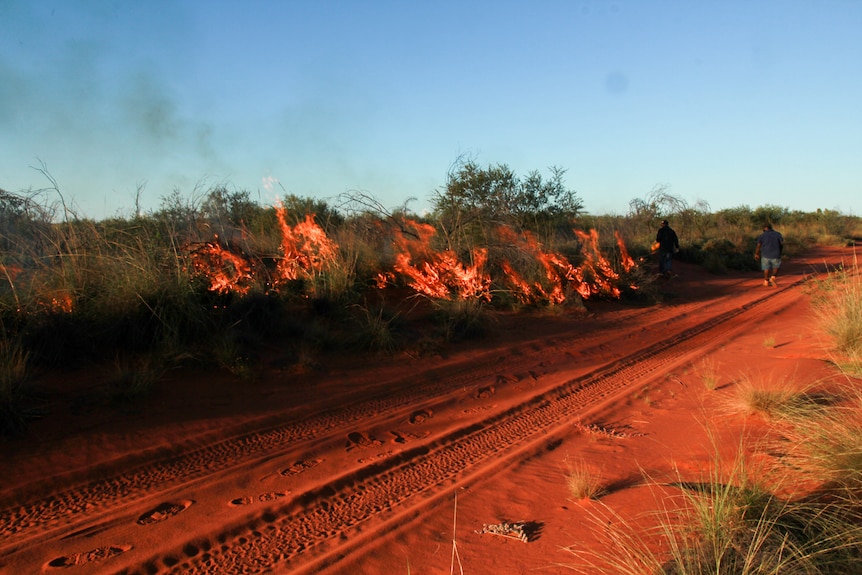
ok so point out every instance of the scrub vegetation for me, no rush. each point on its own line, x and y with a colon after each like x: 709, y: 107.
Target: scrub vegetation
x: 209, y: 276
x: 791, y: 504
x: 208, y: 279
x: 838, y: 303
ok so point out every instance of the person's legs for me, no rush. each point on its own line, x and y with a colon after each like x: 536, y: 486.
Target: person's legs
x: 770, y: 270
x: 665, y: 262
x: 774, y: 264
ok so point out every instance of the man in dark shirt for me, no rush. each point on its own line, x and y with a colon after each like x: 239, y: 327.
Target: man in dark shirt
x: 770, y: 246
x: 668, y: 243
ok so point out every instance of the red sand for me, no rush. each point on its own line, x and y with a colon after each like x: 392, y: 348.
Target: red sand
x: 375, y: 465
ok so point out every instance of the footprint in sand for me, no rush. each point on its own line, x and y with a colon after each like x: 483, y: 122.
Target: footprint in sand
x: 405, y: 437
x: 97, y: 554
x: 420, y: 416
x: 262, y: 498
x: 163, y: 512
x: 485, y: 392
x: 357, y: 439
x: 300, y: 466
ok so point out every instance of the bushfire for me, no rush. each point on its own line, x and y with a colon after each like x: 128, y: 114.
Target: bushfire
x: 521, y: 268
x: 305, y: 251
x: 440, y: 275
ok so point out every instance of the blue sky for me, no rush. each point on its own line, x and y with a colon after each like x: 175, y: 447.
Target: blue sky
x: 728, y: 102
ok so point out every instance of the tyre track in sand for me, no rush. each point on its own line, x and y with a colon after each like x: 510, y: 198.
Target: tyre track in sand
x: 323, y: 524
x: 36, y: 519
x: 36, y: 522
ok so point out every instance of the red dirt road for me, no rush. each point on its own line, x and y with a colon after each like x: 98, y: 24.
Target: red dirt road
x: 376, y: 465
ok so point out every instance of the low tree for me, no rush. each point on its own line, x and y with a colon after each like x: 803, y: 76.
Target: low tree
x: 768, y: 214
x: 477, y: 199
x: 221, y: 207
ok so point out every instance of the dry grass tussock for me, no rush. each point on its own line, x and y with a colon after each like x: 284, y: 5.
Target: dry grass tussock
x: 757, y: 394
x: 823, y: 446
x: 734, y: 519
x: 582, y: 481
x: 837, y: 301
x: 789, y: 505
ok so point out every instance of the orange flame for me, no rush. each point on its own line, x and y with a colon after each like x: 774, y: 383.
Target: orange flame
x: 626, y: 260
x: 445, y: 277
x: 556, y: 269
x: 415, y: 240
x: 225, y: 270
x: 305, y: 247
x: 383, y: 279
x: 60, y: 302
x: 306, y: 250
x: 595, y: 276
x: 441, y: 275
x: 596, y: 266
x: 523, y: 290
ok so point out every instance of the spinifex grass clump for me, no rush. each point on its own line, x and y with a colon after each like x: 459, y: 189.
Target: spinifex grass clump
x: 772, y: 400
x: 376, y: 327
x: 824, y: 446
x: 837, y: 301
x: 133, y: 378
x: 728, y: 523
x: 582, y: 481
x: 14, y: 373
x: 709, y: 373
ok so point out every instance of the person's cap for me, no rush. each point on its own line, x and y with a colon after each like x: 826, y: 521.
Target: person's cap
x: 664, y: 222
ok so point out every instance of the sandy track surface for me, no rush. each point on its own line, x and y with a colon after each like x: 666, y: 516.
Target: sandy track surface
x: 352, y: 468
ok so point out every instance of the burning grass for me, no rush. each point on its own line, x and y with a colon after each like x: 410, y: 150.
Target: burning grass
x: 180, y: 284
x: 211, y: 280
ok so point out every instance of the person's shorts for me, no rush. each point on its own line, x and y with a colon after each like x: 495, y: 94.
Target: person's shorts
x: 770, y: 263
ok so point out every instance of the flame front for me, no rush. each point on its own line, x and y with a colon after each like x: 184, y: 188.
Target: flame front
x: 439, y: 275
x: 626, y: 260
x: 225, y: 270
x: 445, y: 277
x: 594, y: 277
x: 306, y: 251
x: 305, y: 248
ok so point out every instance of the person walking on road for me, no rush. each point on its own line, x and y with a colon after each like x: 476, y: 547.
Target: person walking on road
x: 668, y: 243
x: 770, y: 246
